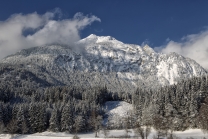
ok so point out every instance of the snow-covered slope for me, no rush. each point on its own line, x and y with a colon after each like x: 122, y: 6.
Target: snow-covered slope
x: 134, y: 62
x: 116, y: 112
x: 104, y: 60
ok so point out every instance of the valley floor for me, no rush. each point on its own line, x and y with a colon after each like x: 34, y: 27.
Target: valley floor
x: 194, y: 133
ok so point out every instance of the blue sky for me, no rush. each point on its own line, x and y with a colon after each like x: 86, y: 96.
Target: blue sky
x: 129, y: 21
x: 179, y: 26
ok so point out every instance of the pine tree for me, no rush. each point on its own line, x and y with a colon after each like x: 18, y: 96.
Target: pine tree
x: 24, y: 128
x: 67, y: 118
x: 41, y: 117
x: 37, y: 117
x: 7, y: 114
x: 2, y: 126
x: 14, y: 111
x: 54, y: 121
x: 78, y: 124
x: 203, y: 85
x: 12, y: 126
x: 98, y: 124
x: 20, y: 118
x: 202, y: 118
x: 32, y: 118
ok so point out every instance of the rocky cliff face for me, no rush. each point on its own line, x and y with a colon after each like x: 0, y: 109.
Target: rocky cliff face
x: 100, y: 61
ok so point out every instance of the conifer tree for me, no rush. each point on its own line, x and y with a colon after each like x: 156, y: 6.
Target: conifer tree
x: 20, y: 118
x: 2, y: 126
x: 54, y: 121
x: 67, y: 118
x: 78, y: 124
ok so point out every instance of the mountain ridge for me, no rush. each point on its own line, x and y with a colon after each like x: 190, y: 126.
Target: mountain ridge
x: 106, y: 61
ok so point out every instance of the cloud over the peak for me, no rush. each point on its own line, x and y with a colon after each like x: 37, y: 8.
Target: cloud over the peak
x: 194, y: 46
x: 23, y: 31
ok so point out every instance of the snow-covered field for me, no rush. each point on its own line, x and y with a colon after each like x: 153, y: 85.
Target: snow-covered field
x: 118, y: 109
x: 195, y: 133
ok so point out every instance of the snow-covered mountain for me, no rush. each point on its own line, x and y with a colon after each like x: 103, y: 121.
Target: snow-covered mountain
x: 95, y: 61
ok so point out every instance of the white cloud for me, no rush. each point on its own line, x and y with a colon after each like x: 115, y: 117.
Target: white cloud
x: 46, y: 30
x: 194, y: 46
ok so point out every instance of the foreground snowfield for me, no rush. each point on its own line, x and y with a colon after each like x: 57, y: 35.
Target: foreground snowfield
x: 195, y: 133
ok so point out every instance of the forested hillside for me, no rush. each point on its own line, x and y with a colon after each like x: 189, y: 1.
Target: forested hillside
x: 30, y: 109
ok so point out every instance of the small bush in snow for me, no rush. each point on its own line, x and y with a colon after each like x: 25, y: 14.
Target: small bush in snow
x: 75, y: 137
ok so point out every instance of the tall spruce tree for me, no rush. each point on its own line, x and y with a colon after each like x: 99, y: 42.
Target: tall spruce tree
x: 67, y: 118
x: 55, y: 121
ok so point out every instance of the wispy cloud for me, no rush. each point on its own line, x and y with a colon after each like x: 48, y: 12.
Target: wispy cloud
x: 45, y: 30
x: 194, y: 46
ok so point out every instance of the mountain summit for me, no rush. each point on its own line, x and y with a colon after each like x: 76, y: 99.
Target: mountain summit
x: 104, y: 61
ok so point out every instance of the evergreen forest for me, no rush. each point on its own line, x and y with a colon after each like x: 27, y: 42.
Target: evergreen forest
x: 73, y: 109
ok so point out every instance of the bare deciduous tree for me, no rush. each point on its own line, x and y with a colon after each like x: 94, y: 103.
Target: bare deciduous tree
x: 96, y: 122
x: 105, y: 132
x: 127, y: 125
x: 139, y: 130
x: 147, y: 131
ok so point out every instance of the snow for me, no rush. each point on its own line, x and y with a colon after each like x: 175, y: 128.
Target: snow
x: 99, y: 39
x: 120, y: 108
x: 5, y: 136
x: 116, y: 111
x: 104, y: 54
x: 195, y: 133
x: 167, y: 71
x: 126, y: 57
x: 148, y: 49
x: 194, y: 71
x: 163, y: 71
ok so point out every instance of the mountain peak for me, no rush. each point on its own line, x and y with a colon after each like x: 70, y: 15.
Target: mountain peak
x: 146, y: 46
x: 98, y: 39
x: 148, y: 49
x: 95, y: 36
x: 91, y: 36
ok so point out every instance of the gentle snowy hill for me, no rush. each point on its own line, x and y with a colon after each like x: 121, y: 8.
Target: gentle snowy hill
x: 120, y: 108
x: 117, y: 111
x: 99, y: 61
